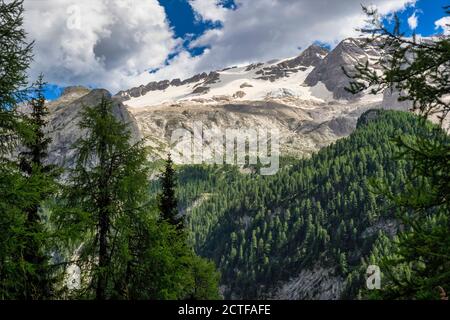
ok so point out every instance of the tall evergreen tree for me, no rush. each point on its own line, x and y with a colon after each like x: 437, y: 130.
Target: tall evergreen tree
x: 17, y: 191
x: 127, y: 251
x: 167, y: 201
x: 42, y: 180
x: 15, y: 57
x: 36, y: 147
x: 108, y: 185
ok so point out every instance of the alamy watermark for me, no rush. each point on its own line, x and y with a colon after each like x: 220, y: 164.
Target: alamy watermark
x: 230, y: 146
x: 373, y: 280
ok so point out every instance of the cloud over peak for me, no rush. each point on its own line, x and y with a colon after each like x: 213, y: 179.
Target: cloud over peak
x: 113, y: 43
x: 212, y: 10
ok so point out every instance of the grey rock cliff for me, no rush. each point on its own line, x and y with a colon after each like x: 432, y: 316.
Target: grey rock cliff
x: 65, y: 114
x: 345, y: 55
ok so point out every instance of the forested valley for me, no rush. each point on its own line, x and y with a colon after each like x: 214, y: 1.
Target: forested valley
x: 117, y: 225
x: 318, y: 212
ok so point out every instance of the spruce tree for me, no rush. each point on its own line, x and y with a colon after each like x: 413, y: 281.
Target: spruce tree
x: 36, y: 147
x: 18, y: 191
x: 167, y: 201
x: 15, y: 58
x: 41, y: 179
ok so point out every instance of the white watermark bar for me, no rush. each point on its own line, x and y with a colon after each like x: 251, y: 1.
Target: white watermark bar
x: 202, y: 145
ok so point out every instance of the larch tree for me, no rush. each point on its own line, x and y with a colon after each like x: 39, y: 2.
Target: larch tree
x: 107, y: 185
x: 418, y: 71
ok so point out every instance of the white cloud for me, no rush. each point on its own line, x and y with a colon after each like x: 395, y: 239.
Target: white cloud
x: 413, y: 21
x: 182, y: 66
x: 119, y: 40
x: 443, y: 24
x: 211, y: 10
x: 105, y: 43
x: 266, y: 29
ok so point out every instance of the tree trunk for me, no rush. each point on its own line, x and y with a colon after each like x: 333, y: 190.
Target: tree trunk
x: 37, y: 286
x: 103, y: 260
x: 104, y: 203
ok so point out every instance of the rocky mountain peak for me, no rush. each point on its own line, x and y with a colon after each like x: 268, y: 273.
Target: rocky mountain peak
x: 346, y: 54
x: 312, y: 56
x: 72, y: 90
x: 303, y: 97
x: 65, y: 114
x: 315, y: 75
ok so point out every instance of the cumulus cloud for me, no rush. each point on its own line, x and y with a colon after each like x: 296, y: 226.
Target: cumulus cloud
x: 413, y: 21
x: 117, y: 41
x: 211, y: 10
x: 265, y: 29
x: 443, y: 25
x: 105, y: 43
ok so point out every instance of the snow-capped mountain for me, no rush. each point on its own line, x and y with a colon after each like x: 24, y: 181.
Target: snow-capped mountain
x: 304, y: 97
x: 254, y: 82
x: 315, y: 75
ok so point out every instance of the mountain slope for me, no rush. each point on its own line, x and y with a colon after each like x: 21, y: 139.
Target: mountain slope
x: 302, y: 233
x: 253, y: 82
x: 304, y: 97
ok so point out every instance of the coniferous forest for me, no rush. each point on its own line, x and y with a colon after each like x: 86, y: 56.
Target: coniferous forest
x: 326, y: 210
x: 118, y: 226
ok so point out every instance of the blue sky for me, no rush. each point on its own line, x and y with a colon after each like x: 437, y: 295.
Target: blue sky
x: 184, y: 22
x: 187, y: 26
x: 182, y: 18
x: 199, y: 35
x: 427, y: 12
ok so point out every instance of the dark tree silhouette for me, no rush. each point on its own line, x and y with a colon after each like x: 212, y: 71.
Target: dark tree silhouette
x: 36, y: 172
x: 167, y: 201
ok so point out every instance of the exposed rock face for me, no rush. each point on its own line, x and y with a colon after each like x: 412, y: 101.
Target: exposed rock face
x: 163, y: 85
x: 65, y: 116
x: 289, y: 95
x: 280, y: 93
x: 245, y: 85
x: 304, y: 127
x: 212, y: 78
x: 318, y: 283
x: 141, y: 90
x: 239, y: 94
x: 390, y: 101
x: 388, y: 227
x: 200, y: 90
x: 345, y: 55
x: 312, y: 56
x: 254, y: 66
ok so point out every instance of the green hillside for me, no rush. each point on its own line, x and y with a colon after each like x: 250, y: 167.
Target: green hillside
x: 263, y: 230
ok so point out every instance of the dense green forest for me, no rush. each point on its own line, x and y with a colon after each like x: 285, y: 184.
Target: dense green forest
x: 380, y: 196
x: 322, y: 210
